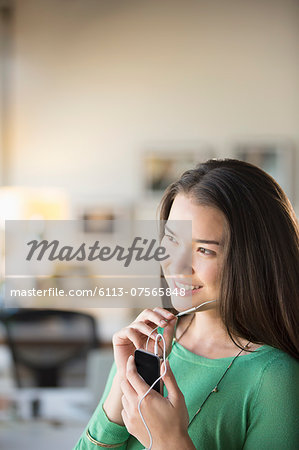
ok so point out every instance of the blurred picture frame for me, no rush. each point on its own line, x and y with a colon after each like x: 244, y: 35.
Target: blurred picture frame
x: 274, y: 157
x: 99, y: 221
x: 164, y: 164
x: 104, y: 220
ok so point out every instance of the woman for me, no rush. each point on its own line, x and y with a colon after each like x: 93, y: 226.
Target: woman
x: 232, y: 372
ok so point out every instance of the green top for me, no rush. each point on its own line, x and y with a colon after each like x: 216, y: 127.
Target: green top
x: 256, y: 406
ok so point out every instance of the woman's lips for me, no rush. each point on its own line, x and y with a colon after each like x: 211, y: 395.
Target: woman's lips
x: 178, y: 285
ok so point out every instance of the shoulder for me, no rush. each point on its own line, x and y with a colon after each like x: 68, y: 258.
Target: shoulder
x: 273, y: 414
x: 268, y: 372
x: 279, y: 374
x: 272, y: 362
x: 278, y: 363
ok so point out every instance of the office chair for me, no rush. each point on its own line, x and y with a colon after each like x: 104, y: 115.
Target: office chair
x: 47, y: 341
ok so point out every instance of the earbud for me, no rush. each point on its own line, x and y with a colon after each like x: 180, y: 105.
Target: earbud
x: 195, y: 308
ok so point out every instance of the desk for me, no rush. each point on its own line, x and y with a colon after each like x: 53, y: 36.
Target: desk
x: 39, y: 436
x: 64, y: 413
x: 55, y: 404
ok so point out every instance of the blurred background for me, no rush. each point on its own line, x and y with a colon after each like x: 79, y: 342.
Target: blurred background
x: 102, y: 104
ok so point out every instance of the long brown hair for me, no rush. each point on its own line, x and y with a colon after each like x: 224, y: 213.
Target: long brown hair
x: 259, y: 294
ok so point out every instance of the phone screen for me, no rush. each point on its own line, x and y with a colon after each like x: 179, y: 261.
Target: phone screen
x: 148, y: 366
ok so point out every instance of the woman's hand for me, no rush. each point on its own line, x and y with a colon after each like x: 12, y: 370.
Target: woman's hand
x: 125, y: 342
x: 134, y: 336
x: 166, y: 418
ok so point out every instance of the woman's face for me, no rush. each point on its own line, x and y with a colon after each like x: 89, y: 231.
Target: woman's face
x: 196, y: 257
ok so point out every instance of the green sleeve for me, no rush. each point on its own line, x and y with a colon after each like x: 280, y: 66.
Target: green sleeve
x: 274, y: 418
x: 100, y: 428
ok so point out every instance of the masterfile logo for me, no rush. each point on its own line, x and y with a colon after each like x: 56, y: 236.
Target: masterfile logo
x: 55, y: 251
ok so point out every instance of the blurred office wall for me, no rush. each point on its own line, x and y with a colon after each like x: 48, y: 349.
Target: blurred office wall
x: 96, y: 82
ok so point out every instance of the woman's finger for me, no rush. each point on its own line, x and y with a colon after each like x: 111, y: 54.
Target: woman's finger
x: 133, y: 377
x: 128, y: 390
x: 145, y: 329
x: 174, y: 392
x: 126, y: 403
x: 125, y: 418
x: 167, y: 314
x: 128, y: 334
x: 158, y: 318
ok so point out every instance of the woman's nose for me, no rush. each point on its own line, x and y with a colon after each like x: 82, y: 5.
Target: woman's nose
x: 182, y: 263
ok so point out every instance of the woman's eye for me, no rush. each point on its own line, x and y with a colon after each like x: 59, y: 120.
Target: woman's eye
x: 170, y: 238
x: 205, y: 251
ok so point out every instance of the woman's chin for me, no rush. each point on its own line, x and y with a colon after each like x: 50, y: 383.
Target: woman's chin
x: 182, y: 303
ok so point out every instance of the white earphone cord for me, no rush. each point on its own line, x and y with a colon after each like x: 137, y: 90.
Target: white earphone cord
x: 164, y: 360
x: 151, y: 387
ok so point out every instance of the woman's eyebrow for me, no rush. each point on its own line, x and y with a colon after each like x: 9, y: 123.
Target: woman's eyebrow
x: 202, y: 241
x: 206, y: 241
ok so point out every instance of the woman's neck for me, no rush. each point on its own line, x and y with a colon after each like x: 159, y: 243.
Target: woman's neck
x: 207, y: 336
x: 208, y: 327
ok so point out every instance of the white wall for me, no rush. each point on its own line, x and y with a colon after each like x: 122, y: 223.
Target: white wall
x: 95, y: 82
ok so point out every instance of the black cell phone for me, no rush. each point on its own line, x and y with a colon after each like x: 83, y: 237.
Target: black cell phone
x: 148, y: 366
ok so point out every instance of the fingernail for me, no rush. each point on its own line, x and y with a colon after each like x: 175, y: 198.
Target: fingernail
x: 163, y: 322
x: 131, y: 357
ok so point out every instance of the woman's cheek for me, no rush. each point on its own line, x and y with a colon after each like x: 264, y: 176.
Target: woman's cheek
x: 209, y: 273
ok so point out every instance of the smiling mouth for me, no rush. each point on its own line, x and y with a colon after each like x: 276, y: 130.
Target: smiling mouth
x: 189, y: 288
